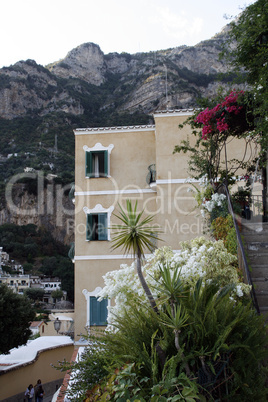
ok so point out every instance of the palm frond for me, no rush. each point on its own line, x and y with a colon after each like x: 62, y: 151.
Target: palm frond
x: 135, y: 232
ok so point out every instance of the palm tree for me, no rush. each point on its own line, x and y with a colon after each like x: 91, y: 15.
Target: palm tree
x: 136, y: 235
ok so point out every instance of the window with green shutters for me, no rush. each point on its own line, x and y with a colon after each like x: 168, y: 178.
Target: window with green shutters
x: 98, y: 311
x: 97, y: 163
x: 97, y: 226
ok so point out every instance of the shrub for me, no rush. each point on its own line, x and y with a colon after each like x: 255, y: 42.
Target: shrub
x: 223, y: 229
x: 213, y: 349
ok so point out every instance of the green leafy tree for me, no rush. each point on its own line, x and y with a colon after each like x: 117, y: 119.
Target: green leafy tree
x: 34, y: 294
x: 49, y: 266
x: 57, y: 294
x: 16, y: 314
x: 28, y: 267
x: 250, y: 32
x: 65, y: 271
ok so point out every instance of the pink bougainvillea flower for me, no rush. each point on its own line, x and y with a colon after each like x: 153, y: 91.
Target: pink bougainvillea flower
x: 210, y: 119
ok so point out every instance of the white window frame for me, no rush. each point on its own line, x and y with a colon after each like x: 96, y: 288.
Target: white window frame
x: 87, y: 295
x: 100, y: 209
x: 99, y: 147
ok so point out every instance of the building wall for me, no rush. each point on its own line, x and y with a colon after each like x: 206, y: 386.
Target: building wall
x: 176, y: 213
x: 47, y: 328
x: 130, y: 157
x: 134, y: 149
x: 16, y: 380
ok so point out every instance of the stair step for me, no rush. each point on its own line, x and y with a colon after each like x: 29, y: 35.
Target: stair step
x: 260, y: 286
x: 262, y: 298
x: 255, y: 237
x: 259, y: 271
x: 258, y: 279
x: 257, y: 246
x: 257, y: 258
x: 264, y: 312
x: 254, y: 228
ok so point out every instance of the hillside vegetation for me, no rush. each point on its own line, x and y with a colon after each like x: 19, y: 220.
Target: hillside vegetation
x: 40, y: 106
x: 38, y: 252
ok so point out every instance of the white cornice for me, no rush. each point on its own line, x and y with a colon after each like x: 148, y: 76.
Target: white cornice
x: 109, y: 257
x: 112, y: 130
x: 104, y: 257
x: 176, y: 181
x: 175, y: 112
x: 115, y: 192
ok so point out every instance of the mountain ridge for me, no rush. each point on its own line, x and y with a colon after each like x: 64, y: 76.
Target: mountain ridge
x: 27, y: 87
x: 40, y: 106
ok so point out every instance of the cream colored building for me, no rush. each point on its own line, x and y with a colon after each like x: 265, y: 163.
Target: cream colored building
x: 18, y: 283
x: 111, y: 167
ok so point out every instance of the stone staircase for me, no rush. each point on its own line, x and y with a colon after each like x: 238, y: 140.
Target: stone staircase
x: 255, y: 236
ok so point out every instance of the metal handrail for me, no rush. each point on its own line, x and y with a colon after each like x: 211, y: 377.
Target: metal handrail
x: 241, y: 252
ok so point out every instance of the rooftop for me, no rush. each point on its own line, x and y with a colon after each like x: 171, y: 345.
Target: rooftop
x: 26, y: 354
x: 144, y: 127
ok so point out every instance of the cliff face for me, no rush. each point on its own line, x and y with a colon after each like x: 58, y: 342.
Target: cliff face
x: 27, y: 87
x: 40, y: 106
x: 85, y: 62
x: 51, y: 209
x: 128, y: 82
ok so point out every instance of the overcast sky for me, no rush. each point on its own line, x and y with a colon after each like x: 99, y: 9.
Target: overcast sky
x: 46, y: 30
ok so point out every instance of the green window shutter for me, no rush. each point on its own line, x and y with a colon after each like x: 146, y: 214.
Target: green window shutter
x: 93, y: 311
x: 102, y: 227
x: 103, y: 311
x: 89, y: 164
x: 98, y: 311
x: 106, y: 160
x: 89, y: 229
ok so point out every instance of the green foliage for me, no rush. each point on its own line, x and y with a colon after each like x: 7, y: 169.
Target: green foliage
x: 16, y: 314
x: 57, y: 294
x: 134, y: 234
x: 250, y: 32
x: 88, y: 371
x: 220, y: 125
x: 27, y: 267
x: 224, y: 344
x: 29, y: 245
x: 34, y: 293
x: 223, y: 229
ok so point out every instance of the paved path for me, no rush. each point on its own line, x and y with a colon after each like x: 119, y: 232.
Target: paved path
x: 48, y: 398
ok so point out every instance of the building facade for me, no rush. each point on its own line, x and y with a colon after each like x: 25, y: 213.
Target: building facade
x: 119, y: 163
x: 113, y: 165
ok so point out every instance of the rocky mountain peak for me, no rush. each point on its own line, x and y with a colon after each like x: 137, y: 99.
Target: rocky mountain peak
x: 124, y: 82
x: 85, y: 62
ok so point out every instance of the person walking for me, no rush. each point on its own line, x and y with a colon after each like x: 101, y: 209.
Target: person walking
x: 29, y: 393
x: 40, y: 393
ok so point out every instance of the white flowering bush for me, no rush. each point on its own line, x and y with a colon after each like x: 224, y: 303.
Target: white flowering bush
x: 198, y: 258
x: 207, y: 199
x: 217, y: 200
